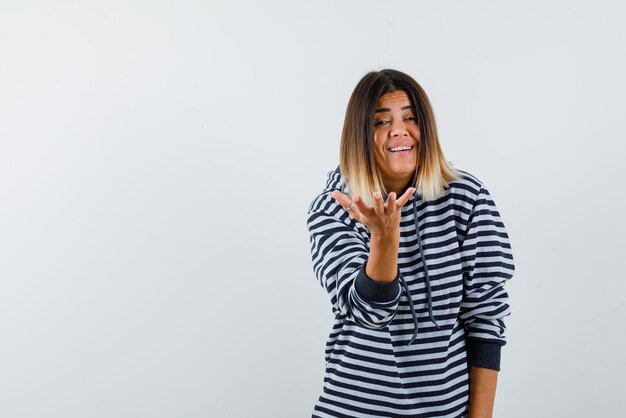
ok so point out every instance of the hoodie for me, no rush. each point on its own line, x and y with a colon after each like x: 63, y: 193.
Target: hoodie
x: 405, y: 347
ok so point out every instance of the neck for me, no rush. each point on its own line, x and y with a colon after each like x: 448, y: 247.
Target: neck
x: 399, y: 186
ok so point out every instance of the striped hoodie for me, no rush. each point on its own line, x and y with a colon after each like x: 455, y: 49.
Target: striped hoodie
x: 403, y: 348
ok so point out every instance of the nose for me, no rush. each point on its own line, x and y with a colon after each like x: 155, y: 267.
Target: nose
x: 398, y: 128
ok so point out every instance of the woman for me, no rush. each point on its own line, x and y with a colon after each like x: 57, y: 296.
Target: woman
x: 414, y: 256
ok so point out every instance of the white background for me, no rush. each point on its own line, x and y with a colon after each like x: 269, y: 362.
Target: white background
x: 157, y: 160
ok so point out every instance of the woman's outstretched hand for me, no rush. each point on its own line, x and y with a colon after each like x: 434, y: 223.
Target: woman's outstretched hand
x: 383, y: 218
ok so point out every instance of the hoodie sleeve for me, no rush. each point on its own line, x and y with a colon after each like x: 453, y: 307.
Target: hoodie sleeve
x: 339, y: 255
x: 487, y: 262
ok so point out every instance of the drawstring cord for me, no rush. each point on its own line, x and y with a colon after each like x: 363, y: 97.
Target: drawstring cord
x: 415, y: 321
x: 426, y: 278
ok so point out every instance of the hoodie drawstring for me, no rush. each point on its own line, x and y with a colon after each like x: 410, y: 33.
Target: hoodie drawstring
x: 426, y: 278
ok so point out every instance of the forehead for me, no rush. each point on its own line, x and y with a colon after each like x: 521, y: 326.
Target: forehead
x: 397, y: 98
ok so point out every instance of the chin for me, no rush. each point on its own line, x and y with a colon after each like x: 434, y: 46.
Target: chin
x: 404, y: 172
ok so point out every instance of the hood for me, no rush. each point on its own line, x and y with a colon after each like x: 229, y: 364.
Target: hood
x: 401, y: 278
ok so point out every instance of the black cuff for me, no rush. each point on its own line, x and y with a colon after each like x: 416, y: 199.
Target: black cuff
x: 483, y: 354
x: 373, y: 291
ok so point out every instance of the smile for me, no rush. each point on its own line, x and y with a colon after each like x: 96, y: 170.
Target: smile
x: 400, y: 150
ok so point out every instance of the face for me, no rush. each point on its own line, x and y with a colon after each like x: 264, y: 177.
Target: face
x: 395, y: 125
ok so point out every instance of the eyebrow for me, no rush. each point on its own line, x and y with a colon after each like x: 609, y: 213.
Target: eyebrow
x: 386, y: 109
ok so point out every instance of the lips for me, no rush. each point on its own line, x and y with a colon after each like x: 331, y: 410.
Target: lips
x: 404, y: 151
x: 400, y: 144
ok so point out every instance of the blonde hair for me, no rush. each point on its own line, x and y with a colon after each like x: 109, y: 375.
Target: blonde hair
x: 357, y: 160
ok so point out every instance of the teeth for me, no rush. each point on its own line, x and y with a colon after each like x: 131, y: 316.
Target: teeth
x: 399, y: 149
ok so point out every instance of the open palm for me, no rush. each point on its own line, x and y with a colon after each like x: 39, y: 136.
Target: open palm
x: 383, y: 217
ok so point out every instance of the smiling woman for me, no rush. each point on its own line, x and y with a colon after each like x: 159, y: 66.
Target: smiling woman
x: 414, y: 256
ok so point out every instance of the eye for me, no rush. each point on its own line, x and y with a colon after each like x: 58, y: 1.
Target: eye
x: 411, y: 118
x: 381, y: 122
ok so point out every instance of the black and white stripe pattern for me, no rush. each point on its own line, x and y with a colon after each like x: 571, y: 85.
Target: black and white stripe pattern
x: 370, y: 369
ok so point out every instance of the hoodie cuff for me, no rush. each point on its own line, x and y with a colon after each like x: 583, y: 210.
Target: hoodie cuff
x: 373, y: 291
x: 483, y: 354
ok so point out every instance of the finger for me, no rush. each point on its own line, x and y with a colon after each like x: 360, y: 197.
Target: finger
x: 357, y: 212
x: 405, y: 197
x: 345, y: 202
x: 362, y: 207
x: 341, y: 198
x: 390, y: 206
x: 378, y: 204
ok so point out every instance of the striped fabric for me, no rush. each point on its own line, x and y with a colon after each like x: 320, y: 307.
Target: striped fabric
x: 370, y: 369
